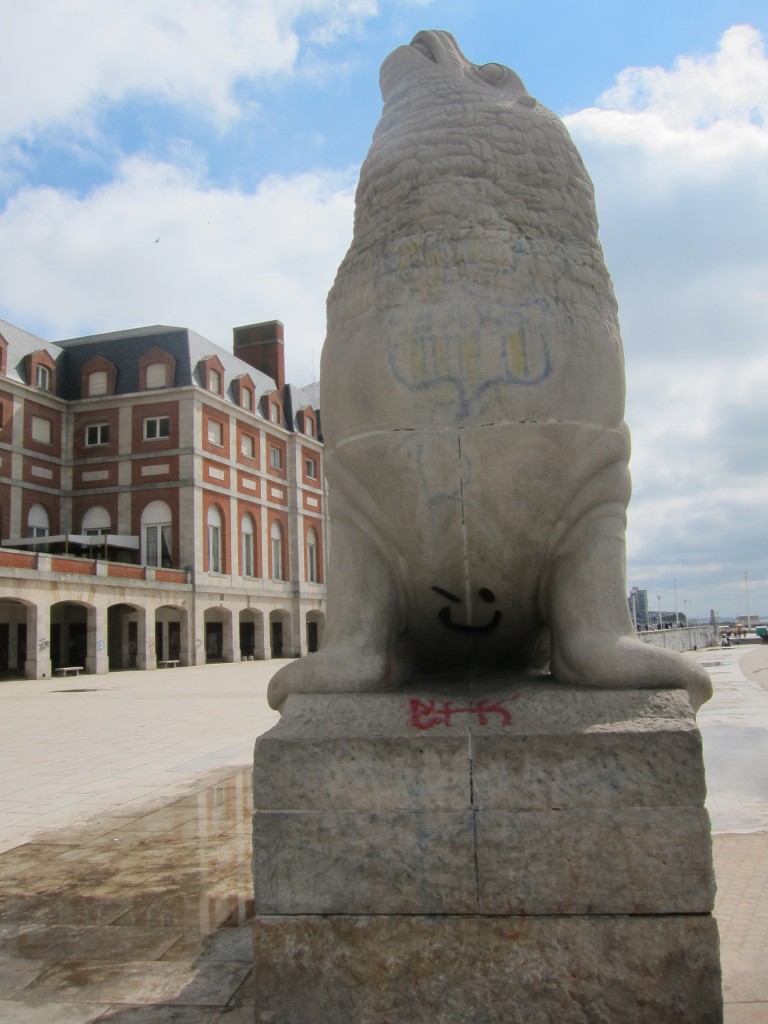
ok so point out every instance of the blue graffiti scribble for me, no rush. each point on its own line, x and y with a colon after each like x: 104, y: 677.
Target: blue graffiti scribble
x: 472, y: 344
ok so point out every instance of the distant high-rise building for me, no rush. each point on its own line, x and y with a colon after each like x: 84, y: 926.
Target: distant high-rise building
x: 638, y: 607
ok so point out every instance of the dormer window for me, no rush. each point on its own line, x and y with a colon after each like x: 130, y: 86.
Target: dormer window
x: 156, y: 370
x: 97, y: 383
x: 246, y: 398
x: 42, y: 377
x: 157, y: 376
x: 98, y: 377
x: 309, y: 426
x: 274, y: 412
x: 214, y: 382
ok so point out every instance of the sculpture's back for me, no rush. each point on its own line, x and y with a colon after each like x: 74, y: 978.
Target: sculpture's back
x: 479, y: 844
x: 473, y: 393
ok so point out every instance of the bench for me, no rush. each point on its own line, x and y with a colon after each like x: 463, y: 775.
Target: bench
x: 67, y: 670
x: 167, y: 664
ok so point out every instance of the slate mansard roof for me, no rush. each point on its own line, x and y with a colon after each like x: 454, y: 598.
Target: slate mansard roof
x: 124, y: 349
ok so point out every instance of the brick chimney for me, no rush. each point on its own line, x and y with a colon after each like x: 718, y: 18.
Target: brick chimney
x: 262, y: 346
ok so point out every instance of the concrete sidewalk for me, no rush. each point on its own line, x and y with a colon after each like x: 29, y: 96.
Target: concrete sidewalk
x: 72, y: 748
x: 125, y: 816
x: 734, y: 727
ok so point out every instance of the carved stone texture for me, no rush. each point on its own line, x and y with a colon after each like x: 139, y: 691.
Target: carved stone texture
x: 526, y: 799
x: 480, y: 970
x: 473, y: 397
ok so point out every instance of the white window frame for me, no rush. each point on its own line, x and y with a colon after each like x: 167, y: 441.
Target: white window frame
x: 312, y: 556
x: 309, y: 426
x: 158, y: 434
x: 42, y: 377
x: 38, y: 524
x: 214, y: 381
x: 246, y: 399
x: 42, y: 430
x: 157, y: 536
x: 276, y: 547
x: 248, y: 446
x: 97, y: 383
x: 248, y: 548
x: 156, y: 376
x: 102, y: 435
x: 310, y: 468
x: 275, y: 457
x: 157, y: 545
x: 215, y: 535
x: 274, y: 412
x: 96, y: 522
x: 216, y: 433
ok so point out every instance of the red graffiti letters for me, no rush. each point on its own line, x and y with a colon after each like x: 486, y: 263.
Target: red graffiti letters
x: 428, y: 715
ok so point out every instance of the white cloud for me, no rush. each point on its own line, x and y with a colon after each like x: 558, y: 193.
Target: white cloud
x: 702, y: 114
x: 67, y: 58
x: 223, y: 257
x: 679, y: 158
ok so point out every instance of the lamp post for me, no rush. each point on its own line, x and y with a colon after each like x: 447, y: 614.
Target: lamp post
x: 677, y: 617
x: 658, y: 598
x: 746, y: 591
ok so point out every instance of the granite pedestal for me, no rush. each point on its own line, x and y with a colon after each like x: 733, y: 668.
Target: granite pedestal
x: 483, y: 854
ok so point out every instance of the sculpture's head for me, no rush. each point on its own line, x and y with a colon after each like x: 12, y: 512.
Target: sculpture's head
x: 466, y: 143
x: 434, y: 63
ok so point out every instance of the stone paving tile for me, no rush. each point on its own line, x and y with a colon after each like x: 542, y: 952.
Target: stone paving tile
x: 744, y: 1013
x: 70, y: 941
x: 15, y: 974
x: 165, y: 1015
x: 48, y: 1012
x: 39, y: 909
x: 143, y: 982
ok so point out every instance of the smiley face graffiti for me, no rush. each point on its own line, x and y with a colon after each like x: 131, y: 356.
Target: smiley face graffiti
x: 444, y: 615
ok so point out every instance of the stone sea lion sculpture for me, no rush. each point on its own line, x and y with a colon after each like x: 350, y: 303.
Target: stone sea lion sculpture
x: 473, y: 398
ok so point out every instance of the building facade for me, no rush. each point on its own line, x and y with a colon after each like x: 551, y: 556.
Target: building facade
x: 161, y: 501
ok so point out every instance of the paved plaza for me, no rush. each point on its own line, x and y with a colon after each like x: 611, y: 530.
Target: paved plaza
x: 125, y: 805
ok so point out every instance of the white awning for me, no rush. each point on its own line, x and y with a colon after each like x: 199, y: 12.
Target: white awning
x: 110, y: 540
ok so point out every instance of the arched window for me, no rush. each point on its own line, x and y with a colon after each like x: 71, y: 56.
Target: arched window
x: 214, y: 539
x: 157, y: 375
x: 276, y: 542
x: 157, y: 535
x: 247, y: 532
x: 37, y: 522
x: 96, y: 522
x: 311, y: 555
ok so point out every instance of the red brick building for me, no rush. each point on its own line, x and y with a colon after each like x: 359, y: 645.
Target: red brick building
x: 161, y: 500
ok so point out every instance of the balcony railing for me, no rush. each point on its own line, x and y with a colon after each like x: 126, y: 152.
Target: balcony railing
x: 71, y: 565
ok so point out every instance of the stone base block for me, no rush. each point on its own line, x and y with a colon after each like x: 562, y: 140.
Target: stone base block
x: 487, y: 970
x: 529, y: 799
x: 524, y: 853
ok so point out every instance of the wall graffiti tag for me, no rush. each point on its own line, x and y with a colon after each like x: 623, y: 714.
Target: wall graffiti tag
x: 431, y: 714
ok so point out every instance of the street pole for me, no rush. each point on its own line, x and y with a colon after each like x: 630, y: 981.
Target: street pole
x: 658, y: 598
x: 746, y: 591
x: 677, y: 617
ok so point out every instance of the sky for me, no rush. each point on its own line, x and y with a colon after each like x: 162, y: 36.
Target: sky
x: 193, y: 163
